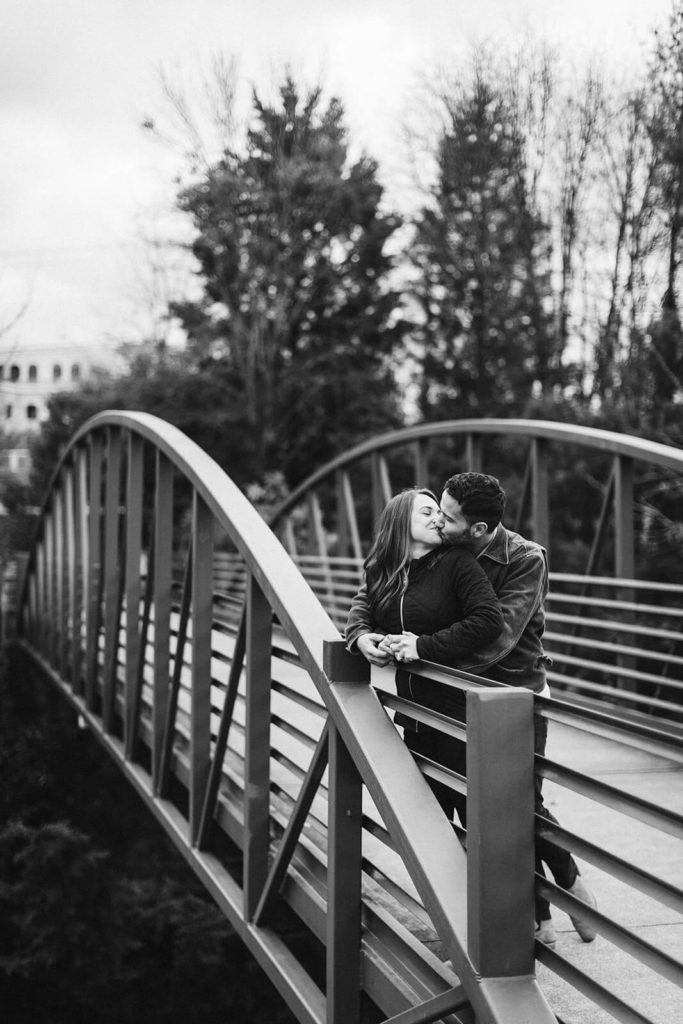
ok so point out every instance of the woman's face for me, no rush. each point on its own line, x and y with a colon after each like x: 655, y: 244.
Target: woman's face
x: 425, y: 523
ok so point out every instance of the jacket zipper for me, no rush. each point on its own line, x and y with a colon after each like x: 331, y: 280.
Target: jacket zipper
x: 410, y: 674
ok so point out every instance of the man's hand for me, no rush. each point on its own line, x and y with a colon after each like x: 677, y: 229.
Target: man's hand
x: 403, y: 646
x: 368, y: 645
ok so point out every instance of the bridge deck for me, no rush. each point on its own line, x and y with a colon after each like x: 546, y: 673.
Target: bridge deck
x: 657, y: 780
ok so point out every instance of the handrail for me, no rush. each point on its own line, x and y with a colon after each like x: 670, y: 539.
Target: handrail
x: 600, y: 440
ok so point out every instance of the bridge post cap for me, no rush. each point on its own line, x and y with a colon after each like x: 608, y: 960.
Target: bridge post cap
x: 340, y: 666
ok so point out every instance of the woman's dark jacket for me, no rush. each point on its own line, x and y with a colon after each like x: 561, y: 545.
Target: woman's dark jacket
x: 450, y: 605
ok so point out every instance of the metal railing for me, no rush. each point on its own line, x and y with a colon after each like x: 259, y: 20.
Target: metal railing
x: 254, y: 738
x: 614, y: 637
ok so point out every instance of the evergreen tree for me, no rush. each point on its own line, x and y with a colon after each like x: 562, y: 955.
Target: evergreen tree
x: 296, y: 314
x: 483, y: 258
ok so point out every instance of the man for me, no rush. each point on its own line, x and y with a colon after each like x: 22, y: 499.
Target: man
x: 473, y: 505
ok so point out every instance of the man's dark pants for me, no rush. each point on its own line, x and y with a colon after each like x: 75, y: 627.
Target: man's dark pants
x: 450, y: 752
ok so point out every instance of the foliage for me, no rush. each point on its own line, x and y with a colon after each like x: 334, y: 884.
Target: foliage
x: 482, y: 254
x: 296, y: 316
x: 100, y: 920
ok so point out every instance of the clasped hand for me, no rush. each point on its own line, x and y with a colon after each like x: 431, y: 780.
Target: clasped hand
x: 380, y: 649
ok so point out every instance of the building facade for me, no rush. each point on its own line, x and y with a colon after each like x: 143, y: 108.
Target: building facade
x: 29, y: 375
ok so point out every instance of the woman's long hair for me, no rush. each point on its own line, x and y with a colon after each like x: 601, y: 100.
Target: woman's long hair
x: 386, y: 567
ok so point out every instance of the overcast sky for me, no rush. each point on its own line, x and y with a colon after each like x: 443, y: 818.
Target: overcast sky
x: 80, y: 181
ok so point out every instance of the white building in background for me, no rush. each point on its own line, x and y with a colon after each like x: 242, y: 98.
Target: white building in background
x: 30, y: 374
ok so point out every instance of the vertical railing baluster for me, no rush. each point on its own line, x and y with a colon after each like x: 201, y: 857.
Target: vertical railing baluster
x: 52, y: 583
x: 420, y: 463
x: 539, y: 491
x: 57, y: 519
x: 202, y: 617
x: 81, y: 561
x: 134, y: 509
x: 71, y: 541
x: 343, y: 884
x: 518, y: 525
x: 624, y: 543
x: 94, y: 569
x: 290, y: 539
x: 43, y: 595
x: 500, y: 832
x: 163, y: 518
x: 30, y: 626
x: 624, y: 548
x: 473, y: 452
x: 378, y: 501
x: 112, y: 573
x: 351, y: 519
x: 343, y: 533
x: 66, y: 532
x: 257, y: 746
x: 316, y: 519
x: 384, y: 478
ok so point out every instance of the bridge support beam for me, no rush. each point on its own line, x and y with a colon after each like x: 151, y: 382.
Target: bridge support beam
x: 257, y: 747
x: 500, y: 832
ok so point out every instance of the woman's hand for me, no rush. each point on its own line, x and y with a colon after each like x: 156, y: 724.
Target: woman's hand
x: 402, y: 646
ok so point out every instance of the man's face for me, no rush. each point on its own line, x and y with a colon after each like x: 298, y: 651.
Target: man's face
x: 455, y: 529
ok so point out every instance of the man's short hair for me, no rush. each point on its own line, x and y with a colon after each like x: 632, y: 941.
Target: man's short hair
x: 480, y: 497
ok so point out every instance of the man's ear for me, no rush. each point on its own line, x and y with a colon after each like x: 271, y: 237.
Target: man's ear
x: 478, y: 530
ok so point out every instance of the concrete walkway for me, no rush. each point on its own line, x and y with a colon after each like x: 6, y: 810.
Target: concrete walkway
x: 654, y: 779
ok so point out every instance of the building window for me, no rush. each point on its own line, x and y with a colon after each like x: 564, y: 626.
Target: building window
x: 33, y: 374
x: 31, y: 412
x: 14, y: 372
x: 56, y: 372
x: 2, y: 372
x: 75, y: 372
x: 8, y: 412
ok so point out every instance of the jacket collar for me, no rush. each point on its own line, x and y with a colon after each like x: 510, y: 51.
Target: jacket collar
x: 497, y: 548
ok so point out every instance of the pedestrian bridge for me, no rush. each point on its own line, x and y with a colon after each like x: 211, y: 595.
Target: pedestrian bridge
x: 206, y: 655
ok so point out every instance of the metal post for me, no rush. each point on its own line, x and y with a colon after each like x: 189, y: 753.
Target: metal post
x: 163, y: 537
x: 350, y: 507
x: 624, y: 545
x: 134, y: 503
x: 202, y: 614
x: 624, y: 548
x: 59, y: 612
x: 93, y: 614
x: 420, y: 465
x: 473, y: 453
x: 82, y: 558
x: 257, y: 747
x: 343, y: 885
x: 52, y: 587
x: 112, y: 574
x: 70, y: 576
x: 539, y: 491
x: 500, y: 832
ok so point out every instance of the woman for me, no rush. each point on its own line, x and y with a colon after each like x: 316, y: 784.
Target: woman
x: 430, y: 601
